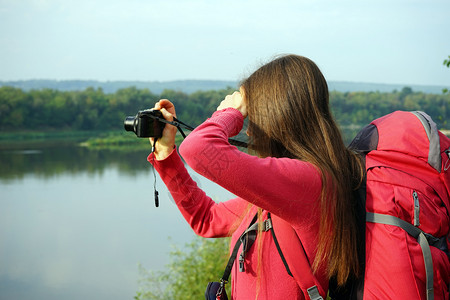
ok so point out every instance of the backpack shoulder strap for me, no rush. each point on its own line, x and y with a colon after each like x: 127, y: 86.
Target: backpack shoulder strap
x: 303, y: 276
x: 253, y: 227
x: 297, y: 265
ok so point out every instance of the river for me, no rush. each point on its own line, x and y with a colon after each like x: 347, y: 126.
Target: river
x: 76, y: 223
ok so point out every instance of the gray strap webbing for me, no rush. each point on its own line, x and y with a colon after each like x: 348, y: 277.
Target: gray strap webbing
x: 313, y: 293
x: 251, y: 228
x: 421, y: 239
x: 434, y: 152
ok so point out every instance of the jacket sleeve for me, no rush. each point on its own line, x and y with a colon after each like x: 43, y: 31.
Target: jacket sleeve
x: 286, y: 187
x: 206, y: 217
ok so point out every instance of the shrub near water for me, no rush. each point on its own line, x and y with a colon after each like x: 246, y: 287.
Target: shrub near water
x: 122, y: 140
x: 188, y: 272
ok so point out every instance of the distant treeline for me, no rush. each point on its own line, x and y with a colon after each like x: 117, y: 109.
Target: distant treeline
x: 191, y: 86
x: 93, y: 109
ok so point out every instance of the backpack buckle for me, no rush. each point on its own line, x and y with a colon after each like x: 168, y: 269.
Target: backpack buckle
x: 313, y: 293
x: 267, y: 225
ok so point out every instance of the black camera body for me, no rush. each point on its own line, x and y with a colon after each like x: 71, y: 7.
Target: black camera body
x: 145, y: 124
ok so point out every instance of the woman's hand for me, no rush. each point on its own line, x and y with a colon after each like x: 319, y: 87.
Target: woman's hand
x: 165, y: 144
x: 235, y: 100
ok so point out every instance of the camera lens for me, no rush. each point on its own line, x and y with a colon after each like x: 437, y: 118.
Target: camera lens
x: 129, y: 123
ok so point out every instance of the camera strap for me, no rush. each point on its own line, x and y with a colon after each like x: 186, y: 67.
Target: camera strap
x: 154, y: 177
x: 178, y: 124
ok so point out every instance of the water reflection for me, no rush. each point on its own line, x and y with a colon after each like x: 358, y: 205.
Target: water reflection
x: 53, y: 159
x: 75, y: 223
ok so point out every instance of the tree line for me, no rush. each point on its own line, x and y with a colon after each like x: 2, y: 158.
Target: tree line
x: 93, y: 109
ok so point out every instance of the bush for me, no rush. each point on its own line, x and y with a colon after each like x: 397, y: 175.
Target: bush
x: 188, y: 272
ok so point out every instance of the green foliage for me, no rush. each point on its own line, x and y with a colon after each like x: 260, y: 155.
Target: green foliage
x: 189, y: 271
x: 359, y: 108
x: 123, y: 141
x: 93, y: 110
x: 447, y: 64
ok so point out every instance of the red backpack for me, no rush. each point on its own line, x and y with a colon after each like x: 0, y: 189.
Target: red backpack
x: 407, y: 207
x: 404, y: 209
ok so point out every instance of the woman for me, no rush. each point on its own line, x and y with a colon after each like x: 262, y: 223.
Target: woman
x: 301, y: 173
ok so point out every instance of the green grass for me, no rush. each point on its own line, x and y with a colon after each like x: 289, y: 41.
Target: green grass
x: 122, y: 140
x: 116, y: 140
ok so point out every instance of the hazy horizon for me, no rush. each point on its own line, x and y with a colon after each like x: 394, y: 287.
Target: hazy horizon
x: 190, y: 86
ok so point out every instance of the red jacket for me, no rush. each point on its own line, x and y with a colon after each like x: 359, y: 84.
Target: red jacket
x: 288, y: 188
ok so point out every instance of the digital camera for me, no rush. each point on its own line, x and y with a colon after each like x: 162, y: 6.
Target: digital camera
x: 145, y: 124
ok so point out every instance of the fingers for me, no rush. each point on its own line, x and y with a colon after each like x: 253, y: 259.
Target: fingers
x: 166, y: 104
x: 232, y: 100
x: 236, y: 101
x: 166, y: 143
x: 166, y: 114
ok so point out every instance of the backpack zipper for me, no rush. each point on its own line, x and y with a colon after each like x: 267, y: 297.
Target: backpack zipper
x: 416, y: 208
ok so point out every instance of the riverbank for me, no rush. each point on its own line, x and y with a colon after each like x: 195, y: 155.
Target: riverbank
x: 107, y: 139
x: 15, y: 136
x: 20, y: 139
x: 111, y: 140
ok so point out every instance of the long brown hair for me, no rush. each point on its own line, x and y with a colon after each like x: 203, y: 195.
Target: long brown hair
x: 289, y: 116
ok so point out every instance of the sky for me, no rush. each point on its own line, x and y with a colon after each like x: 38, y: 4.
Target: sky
x: 373, y: 41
